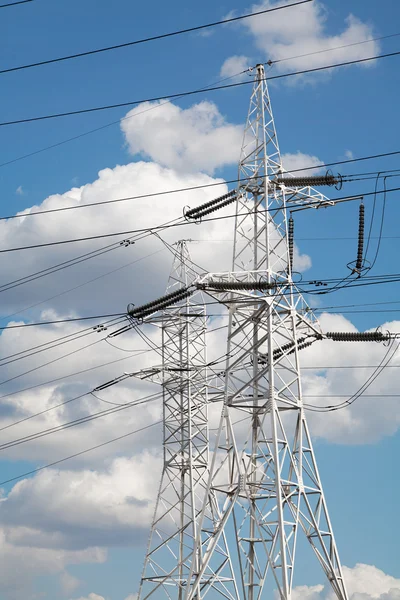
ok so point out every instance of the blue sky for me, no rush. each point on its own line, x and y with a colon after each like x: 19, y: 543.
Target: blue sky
x: 349, y: 112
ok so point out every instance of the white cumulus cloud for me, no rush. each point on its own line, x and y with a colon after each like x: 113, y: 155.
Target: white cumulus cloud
x: 363, y: 582
x: 234, y: 65
x: 302, y: 30
x: 299, y: 160
x: 85, y: 508
x: 193, y: 139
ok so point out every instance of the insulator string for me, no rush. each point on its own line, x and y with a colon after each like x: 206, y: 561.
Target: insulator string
x: 358, y: 336
x: 291, y: 243
x: 192, y: 212
x: 360, y: 248
x: 317, y: 180
x: 236, y: 285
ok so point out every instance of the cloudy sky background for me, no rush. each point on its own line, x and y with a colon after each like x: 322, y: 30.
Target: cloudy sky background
x: 78, y: 530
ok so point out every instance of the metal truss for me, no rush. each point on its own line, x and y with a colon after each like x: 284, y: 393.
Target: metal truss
x: 172, y: 561
x: 263, y: 473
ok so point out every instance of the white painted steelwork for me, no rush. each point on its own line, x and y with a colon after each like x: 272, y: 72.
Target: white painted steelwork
x: 263, y: 472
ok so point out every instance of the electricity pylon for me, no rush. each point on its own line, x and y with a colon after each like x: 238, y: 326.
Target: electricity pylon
x: 183, y: 493
x: 265, y: 479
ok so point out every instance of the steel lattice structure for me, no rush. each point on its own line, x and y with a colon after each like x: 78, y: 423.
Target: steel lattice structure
x: 183, y: 493
x: 229, y: 526
x: 266, y: 478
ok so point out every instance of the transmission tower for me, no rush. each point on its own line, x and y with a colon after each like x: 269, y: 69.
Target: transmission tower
x: 183, y: 494
x: 264, y: 477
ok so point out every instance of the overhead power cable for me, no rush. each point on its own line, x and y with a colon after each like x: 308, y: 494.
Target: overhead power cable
x: 180, y: 222
x: 79, y: 421
x: 39, y: 323
x: 15, y: 3
x: 360, y: 392
x: 192, y: 92
x: 66, y: 339
x: 80, y: 285
x: 55, y: 406
x: 57, y: 462
x: 63, y: 377
x: 190, y: 188
x: 64, y: 265
x: 286, y: 58
x: 148, y: 39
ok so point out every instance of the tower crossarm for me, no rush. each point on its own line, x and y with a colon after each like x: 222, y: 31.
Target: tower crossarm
x: 263, y: 470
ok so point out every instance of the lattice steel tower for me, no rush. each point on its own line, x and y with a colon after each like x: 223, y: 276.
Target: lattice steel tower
x: 263, y: 472
x: 183, y: 495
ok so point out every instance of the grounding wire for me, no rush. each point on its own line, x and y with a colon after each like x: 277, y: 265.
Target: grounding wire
x: 149, y: 39
x: 15, y: 3
x: 190, y: 92
x: 115, y: 122
x: 102, y: 127
x: 382, y: 37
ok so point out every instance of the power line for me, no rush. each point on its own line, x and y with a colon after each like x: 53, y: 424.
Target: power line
x: 62, y: 321
x: 47, y: 410
x: 57, y: 462
x: 148, y: 39
x: 61, y: 341
x: 191, y: 92
x: 324, y: 368
x: 39, y: 385
x: 100, y: 128
x: 355, y: 305
x: 50, y: 362
x: 80, y: 285
x: 79, y: 421
x: 175, y: 223
x: 382, y: 37
x: 61, y: 266
x: 15, y: 3
x: 191, y: 188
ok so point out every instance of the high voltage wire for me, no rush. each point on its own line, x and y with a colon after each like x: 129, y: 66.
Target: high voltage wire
x: 91, y: 332
x: 148, y: 39
x: 15, y: 3
x: 382, y: 37
x: 179, y: 223
x: 100, y: 128
x: 50, y: 362
x: 80, y: 285
x: 61, y: 341
x: 55, y: 380
x: 57, y: 462
x: 87, y: 450
x: 60, y: 266
x: 46, y: 410
x: 63, y: 321
x: 84, y: 134
x: 197, y: 187
x: 76, y: 422
x: 193, y: 92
